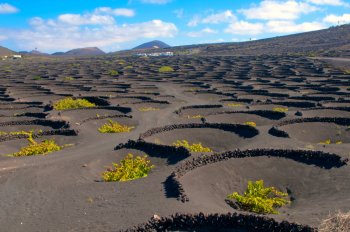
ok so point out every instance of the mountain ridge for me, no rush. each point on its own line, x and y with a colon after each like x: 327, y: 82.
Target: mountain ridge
x: 155, y: 44
x: 5, y: 51
x: 333, y: 41
x: 81, y: 52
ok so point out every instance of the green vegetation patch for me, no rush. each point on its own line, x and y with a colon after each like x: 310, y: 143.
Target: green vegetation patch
x: 165, y: 69
x: 27, y: 133
x: 113, y: 73
x: 69, y: 79
x: 114, y: 127
x: 346, y: 71
x: 146, y: 109
x: 43, y: 148
x: 130, y: 168
x: 34, y: 148
x: 195, y: 147
x: 260, y: 199
x: 71, y: 103
x: 252, y: 124
x: 234, y: 104
x: 194, y: 116
x: 280, y: 109
x: 329, y: 141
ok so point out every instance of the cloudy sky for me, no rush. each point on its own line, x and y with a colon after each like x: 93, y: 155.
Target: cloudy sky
x: 61, y: 25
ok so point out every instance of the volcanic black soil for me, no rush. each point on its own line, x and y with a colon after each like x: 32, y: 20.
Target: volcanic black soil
x: 295, y: 107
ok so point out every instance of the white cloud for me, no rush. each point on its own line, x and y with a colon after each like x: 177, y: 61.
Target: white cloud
x: 220, y: 40
x: 100, y: 16
x: 245, y: 28
x: 221, y: 17
x: 226, y: 16
x: 156, y: 1
x: 202, y: 33
x: 55, y: 35
x: 236, y: 40
x: 96, y: 28
x: 335, y: 19
x: 208, y: 30
x: 2, y: 37
x: 273, y: 26
x: 329, y: 2
x: 179, y: 13
x: 275, y: 10
x: 116, y: 12
x: 6, y: 8
x: 194, y: 21
x: 36, y: 21
x: 88, y: 19
x: 292, y: 27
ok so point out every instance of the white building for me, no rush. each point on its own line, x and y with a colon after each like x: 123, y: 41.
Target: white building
x: 11, y: 57
x: 156, y: 54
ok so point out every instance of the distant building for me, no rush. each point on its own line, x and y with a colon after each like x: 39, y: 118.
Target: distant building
x: 11, y: 57
x: 142, y: 54
x: 155, y: 54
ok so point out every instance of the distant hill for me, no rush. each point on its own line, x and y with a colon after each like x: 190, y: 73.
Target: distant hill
x: 5, y: 51
x: 58, y: 53
x: 152, y: 45
x: 334, y: 41
x: 33, y: 52
x: 39, y: 53
x: 91, y: 51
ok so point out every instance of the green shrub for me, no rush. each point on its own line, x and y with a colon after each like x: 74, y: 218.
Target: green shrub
x: 326, y: 142
x: 113, y: 73
x: 120, y: 61
x: 43, y: 148
x: 165, y: 69
x: 194, y: 116
x: 280, y: 109
x: 68, y: 79
x: 234, y: 104
x: 346, y: 71
x: 70, y: 103
x: 252, y: 124
x: 34, y: 148
x: 312, y: 54
x: 195, y: 147
x: 130, y: 168
x: 259, y: 199
x: 329, y: 141
x: 146, y: 109
x: 27, y: 133
x: 114, y: 127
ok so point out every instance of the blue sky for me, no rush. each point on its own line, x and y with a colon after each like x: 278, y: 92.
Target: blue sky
x: 61, y: 25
